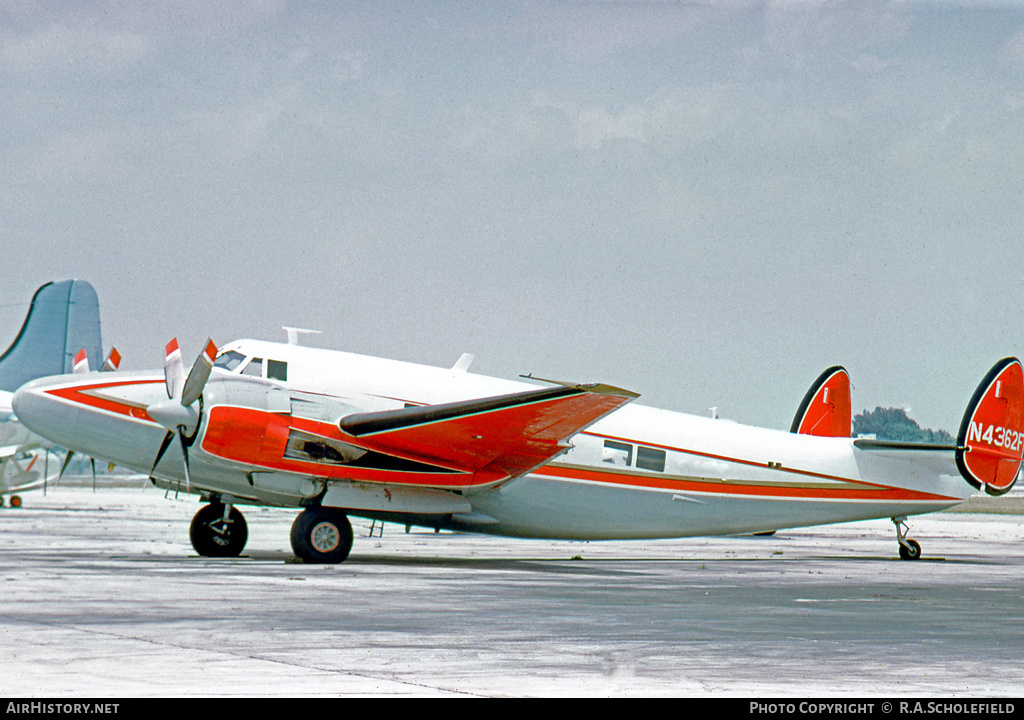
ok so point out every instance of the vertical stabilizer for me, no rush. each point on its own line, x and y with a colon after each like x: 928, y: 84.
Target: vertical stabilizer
x: 825, y: 410
x: 990, y: 446
x: 64, y: 318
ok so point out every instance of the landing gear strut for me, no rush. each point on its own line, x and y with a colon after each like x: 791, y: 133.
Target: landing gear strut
x: 218, y: 530
x: 910, y: 549
x: 321, y: 535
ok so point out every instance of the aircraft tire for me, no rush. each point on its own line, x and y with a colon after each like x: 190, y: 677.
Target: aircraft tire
x: 208, y: 542
x: 910, y: 550
x: 15, y: 501
x: 321, y: 535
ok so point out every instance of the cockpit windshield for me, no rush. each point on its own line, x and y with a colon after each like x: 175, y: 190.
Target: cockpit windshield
x: 230, y: 360
x: 235, y: 362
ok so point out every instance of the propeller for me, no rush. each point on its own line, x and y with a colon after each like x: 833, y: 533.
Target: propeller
x: 81, y: 363
x: 179, y: 413
x: 64, y: 466
x: 113, y: 361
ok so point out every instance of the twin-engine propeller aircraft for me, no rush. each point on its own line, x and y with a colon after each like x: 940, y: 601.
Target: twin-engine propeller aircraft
x: 64, y: 317
x: 340, y: 434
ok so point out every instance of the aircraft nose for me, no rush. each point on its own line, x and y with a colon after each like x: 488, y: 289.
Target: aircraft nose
x: 102, y: 415
x: 39, y: 412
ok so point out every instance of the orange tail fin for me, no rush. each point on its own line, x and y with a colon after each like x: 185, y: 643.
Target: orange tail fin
x: 825, y: 409
x: 991, y: 440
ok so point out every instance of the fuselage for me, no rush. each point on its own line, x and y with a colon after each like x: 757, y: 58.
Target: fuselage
x: 639, y: 472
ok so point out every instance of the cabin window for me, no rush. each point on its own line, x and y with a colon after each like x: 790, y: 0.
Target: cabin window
x: 277, y: 370
x: 617, y: 453
x: 650, y: 459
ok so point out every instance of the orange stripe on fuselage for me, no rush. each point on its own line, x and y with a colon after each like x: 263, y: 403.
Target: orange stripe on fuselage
x: 87, y: 395
x: 745, y: 488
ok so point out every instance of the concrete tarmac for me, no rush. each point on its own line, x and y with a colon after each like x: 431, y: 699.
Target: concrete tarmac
x: 102, y: 596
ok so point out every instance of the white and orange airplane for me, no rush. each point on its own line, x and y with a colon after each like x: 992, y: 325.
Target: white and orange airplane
x: 340, y: 435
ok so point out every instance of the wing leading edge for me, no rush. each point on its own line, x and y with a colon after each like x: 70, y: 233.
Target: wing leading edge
x: 495, y: 438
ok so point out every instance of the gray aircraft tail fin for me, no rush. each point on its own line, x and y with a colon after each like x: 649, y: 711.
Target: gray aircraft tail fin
x: 63, y: 319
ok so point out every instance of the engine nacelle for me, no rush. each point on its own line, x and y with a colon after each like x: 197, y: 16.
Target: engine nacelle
x: 245, y: 421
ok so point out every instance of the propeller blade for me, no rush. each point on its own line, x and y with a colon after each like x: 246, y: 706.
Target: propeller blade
x: 67, y: 460
x: 113, y: 361
x: 163, y: 448
x: 184, y: 454
x: 174, y: 370
x: 200, y: 373
x: 81, y: 364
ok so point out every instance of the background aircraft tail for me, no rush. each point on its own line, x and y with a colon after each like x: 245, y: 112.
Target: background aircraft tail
x: 64, y: 318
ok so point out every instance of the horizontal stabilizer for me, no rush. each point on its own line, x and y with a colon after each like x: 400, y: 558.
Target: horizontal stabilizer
x: 940, y: 459
x: 825, y: 410
x: 990, y: 443
x: 496, y: 437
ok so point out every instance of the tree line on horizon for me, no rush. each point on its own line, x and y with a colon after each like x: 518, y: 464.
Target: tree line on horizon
x: 895, y: 424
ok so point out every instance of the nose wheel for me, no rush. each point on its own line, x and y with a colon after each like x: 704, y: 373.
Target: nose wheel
x: 218, y: 530
x: 910, y: 549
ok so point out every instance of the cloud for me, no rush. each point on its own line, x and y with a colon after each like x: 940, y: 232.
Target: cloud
x: 63, y: 47
x: 1013, y: 51
x: 73, y: 156
x: 594, y: 32
x: 596, y: 126
x: 673, y: 118
x: 869, y: 63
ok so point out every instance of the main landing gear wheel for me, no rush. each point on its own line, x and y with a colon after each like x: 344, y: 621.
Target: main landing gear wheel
x: 218, y: 533
x: 910, y: 549
x: 321, y: 535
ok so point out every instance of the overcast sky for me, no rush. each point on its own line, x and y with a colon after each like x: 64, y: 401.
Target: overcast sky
x: 706, y: 203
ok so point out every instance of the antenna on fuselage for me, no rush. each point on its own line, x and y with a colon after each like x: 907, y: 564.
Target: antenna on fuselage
x: 293, y: 334
x: 463, y: 363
